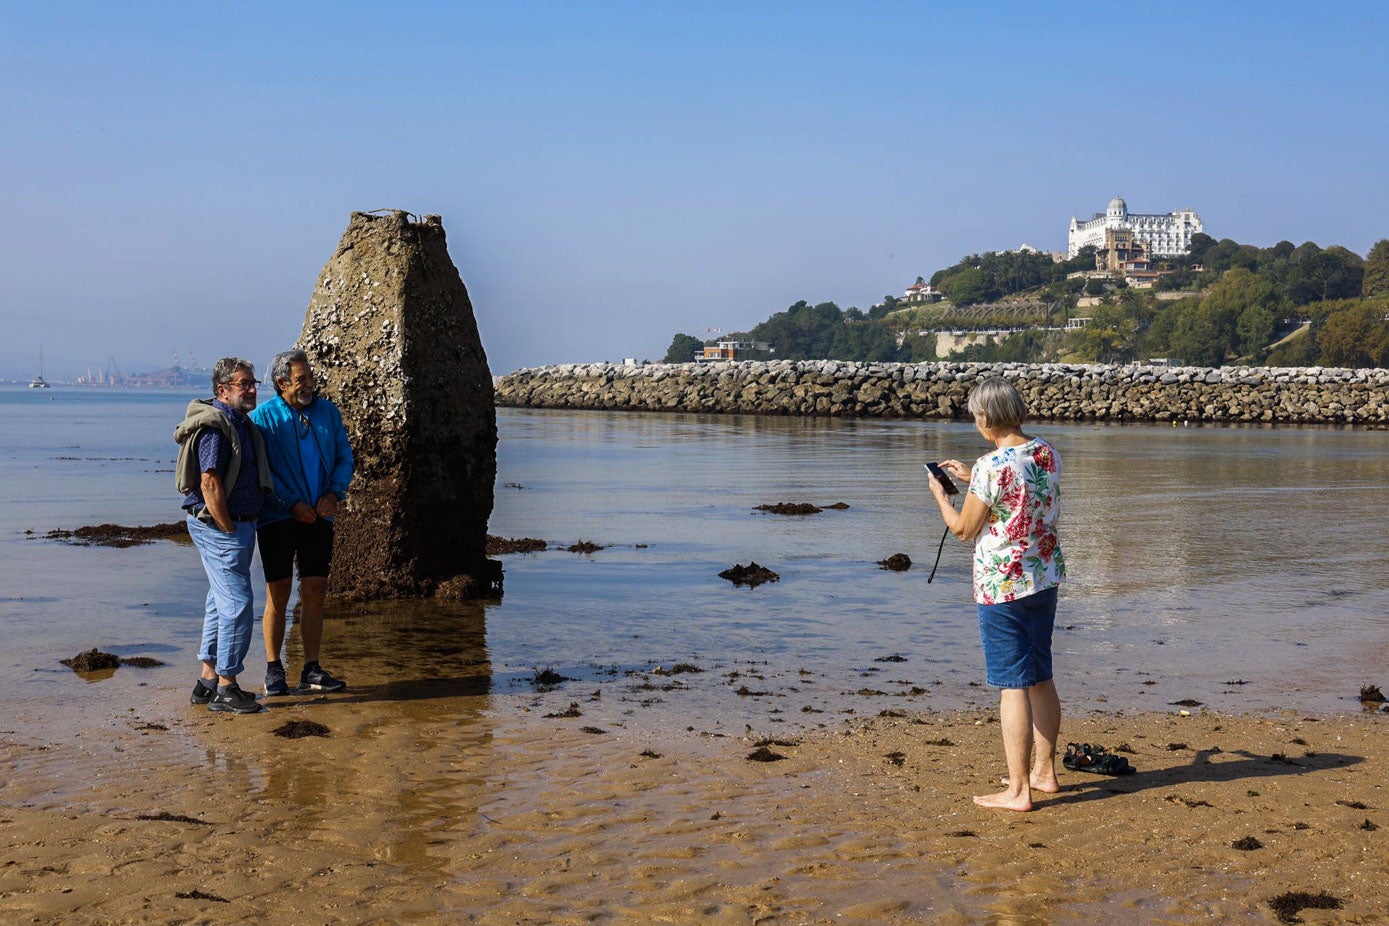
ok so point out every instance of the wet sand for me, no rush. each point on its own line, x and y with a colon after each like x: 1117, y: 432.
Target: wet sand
x: 439, y: 802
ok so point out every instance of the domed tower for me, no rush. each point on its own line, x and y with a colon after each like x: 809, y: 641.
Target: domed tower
x: 1118, y: 209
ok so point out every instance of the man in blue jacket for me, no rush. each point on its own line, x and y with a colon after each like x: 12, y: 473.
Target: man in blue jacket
x: 311, y: 462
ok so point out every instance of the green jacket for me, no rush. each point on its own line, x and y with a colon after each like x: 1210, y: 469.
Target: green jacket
x: 201, y: 414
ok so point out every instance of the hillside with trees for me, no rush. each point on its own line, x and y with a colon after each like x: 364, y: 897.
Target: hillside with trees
x: 1224, y: 303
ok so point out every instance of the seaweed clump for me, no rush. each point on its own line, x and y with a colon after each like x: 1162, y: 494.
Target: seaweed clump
x: 1287, y: 906
x: 1370, y: 694
x: 297, y: 729
x: 763, y: 754
x: 751, y: 575
x: 897, y: 562
x: 118, y: 535
x: 92, y: 660
x: 500, y: 546
x: 791, y: 508
x: 585, y: 546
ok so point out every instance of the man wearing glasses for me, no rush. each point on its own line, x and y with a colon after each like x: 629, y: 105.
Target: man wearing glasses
x: 223, y: 474
x: 311, y: 461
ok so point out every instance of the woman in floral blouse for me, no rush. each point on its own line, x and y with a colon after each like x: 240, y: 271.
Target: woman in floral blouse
x: 1010, y: 515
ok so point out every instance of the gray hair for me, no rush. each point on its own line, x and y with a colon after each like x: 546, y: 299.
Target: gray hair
x: 998, y: 402
x: 222, y: 371
x: 279, y: 367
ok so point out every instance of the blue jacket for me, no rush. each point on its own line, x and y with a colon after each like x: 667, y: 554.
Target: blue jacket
x: 282, y: 427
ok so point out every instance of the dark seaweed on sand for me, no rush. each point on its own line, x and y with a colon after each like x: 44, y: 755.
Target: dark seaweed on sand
x: 678, y: 669
x: 763, y: 754
x: 1247, y: 844
x: 571, y: 711
x: 295, y: 729
x: 896, y: 758
x: 200, y: 895
x: 171, y: 818
x: 1287, y: 906
x: 142, y: 662
x: 1370, y: 694
x: 548, y: 678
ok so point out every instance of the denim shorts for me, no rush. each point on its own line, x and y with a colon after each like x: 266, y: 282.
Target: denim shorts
x: 1017, y: 639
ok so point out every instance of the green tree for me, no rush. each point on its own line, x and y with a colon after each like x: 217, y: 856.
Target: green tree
x: 1156, y: 340
x: 919, y: 348
x: 802, y: 332
x: 967, y: 287
x: 1109, y: 337
x: 1335, y: 273
x: 1357, y: 336
x: 885, y: 308
x: 1254, y: 328
x: 1203, y: 334
x: 1376, y: 279
x: 683, y: 348
x: 1200, y: 244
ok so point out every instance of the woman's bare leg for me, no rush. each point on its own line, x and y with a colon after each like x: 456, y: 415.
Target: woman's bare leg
x: 1015, y: 717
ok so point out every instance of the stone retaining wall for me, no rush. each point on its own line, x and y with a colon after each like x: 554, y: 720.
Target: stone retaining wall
x: 1084, y: 392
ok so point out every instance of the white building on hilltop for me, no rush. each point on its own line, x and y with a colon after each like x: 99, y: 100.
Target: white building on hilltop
x: 1167, y: 235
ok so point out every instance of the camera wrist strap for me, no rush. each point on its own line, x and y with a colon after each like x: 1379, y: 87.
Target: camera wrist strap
x: 938, y: 552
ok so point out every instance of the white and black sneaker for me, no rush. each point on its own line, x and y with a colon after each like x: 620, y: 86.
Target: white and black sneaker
x: 314, y: 678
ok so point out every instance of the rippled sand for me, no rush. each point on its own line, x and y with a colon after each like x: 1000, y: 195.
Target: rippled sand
x: 447, y: 802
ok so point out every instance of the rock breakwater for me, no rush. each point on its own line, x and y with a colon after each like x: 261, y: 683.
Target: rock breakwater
x: 1080, y: 392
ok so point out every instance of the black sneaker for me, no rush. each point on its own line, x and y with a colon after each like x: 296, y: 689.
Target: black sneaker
x: 201, y: 693
x: 314, y: 678
x: 235, y: 701
x: 275, y: 683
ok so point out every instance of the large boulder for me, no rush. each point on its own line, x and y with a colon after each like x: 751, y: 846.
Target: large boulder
x: 392, y: 337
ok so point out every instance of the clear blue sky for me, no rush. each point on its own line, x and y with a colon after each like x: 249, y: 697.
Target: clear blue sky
x: 612, y: 173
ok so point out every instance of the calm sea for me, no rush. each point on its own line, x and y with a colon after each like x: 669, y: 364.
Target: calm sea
x: 1244, y: 568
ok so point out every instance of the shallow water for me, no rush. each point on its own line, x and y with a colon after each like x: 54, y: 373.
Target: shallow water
x: 1199, y: 558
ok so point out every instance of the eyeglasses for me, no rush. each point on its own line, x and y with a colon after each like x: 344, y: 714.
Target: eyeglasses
x: 242, y: 384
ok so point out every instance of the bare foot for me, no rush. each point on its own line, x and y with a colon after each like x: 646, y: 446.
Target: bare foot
x: 1046, y: 787
x: 1004, y: 800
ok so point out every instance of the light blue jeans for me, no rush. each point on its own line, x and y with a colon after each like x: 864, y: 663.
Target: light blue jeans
x: 229, y: 616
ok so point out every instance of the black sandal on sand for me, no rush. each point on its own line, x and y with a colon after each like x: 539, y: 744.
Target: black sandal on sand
x: 1096, y: 759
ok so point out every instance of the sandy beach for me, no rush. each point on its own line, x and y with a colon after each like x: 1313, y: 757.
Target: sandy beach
x: 435, y: 804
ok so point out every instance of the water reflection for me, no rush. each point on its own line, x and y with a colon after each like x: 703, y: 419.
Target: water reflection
x: 1197, y: 555
x: 411, y: 740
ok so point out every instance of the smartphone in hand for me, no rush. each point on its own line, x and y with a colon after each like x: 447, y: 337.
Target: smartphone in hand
x: 935, y: 470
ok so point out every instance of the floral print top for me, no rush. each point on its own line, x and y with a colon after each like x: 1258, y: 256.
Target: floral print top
x: 1017, y: 552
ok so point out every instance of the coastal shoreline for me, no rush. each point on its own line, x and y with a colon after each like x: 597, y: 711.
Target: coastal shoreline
x: 470, y: 813
x: 1063, y: 392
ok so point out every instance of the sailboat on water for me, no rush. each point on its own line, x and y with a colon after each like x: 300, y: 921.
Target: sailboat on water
x: 38, y: 382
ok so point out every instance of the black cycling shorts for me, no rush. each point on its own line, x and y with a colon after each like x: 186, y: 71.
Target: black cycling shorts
x: 284, y: 542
